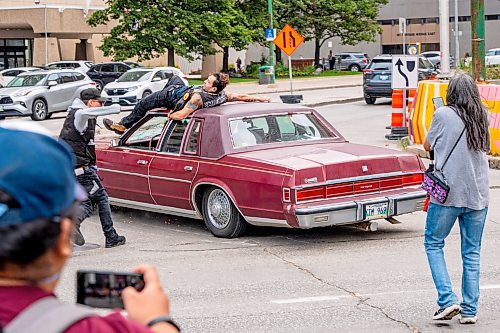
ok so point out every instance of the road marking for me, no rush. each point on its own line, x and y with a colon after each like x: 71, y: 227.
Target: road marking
x: 336, y: 298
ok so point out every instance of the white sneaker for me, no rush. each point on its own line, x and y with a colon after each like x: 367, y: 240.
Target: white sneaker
x: 468, y: 320
x: 447, y: 313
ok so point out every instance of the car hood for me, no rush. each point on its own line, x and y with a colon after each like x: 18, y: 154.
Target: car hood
x: 13, y: 90
x: 122, y: 85
x: 332, y: 161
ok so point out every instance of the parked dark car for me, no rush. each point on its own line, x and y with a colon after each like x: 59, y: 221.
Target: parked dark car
x: 105, y: 73
x: 377, y: 76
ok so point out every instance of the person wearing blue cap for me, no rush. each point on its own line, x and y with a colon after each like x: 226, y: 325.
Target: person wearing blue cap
x: 78, y: 132
x: 37, y: 215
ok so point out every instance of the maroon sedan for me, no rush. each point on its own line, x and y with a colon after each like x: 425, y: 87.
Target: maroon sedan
x: 263, y: 164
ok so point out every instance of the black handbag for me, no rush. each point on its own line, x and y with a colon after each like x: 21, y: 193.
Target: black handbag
x: 434, y: 182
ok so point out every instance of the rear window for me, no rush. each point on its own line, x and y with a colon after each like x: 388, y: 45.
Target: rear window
x: 251, y: 131
x: 381, y: 64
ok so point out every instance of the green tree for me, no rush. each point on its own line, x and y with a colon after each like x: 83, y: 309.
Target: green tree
x: 352, y: 21
x: 147, y: 28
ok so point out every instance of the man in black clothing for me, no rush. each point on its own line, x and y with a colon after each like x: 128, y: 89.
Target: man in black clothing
x: 78, y: 131
x: 182, y: 100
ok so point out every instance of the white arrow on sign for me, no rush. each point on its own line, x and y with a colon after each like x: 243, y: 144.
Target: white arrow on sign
x: 404, y: 72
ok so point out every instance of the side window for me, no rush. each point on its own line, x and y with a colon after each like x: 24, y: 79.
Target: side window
x: 54, y: 77
x: 148, y: 134
x: 79, y: 76
x: 96, y: 68
x: 158, y: 75
x: 173, y: 144
x: 497, y: 52
x: 67, y: 77
x: 106, y: 68
x: 12, y: 73
x: 193, y: 138
x: 121, y: 68
x: 167, y: 74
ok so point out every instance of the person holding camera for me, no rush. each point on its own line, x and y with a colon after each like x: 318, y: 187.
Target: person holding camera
x: 37, y: 216
x: 459, y: 137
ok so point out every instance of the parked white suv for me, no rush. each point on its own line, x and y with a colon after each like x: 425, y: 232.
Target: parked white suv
x: 10, y: 74
x: 138, y: 83
x: 39, y: 94
x: 493, y: 57
x: 81, y: 65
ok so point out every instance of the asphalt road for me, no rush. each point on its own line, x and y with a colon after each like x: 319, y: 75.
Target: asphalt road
x: 282, y: 280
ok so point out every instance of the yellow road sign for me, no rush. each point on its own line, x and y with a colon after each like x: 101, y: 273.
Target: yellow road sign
x: 288, y: 40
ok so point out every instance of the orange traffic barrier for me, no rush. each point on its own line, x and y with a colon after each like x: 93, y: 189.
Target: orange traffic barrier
x: 397, y: 108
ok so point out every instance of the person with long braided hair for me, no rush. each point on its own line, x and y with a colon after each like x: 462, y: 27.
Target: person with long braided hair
x: 463, y: 124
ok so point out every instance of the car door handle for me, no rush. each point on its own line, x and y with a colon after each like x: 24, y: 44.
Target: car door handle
x: 188, y: 168
x: 142, y: 162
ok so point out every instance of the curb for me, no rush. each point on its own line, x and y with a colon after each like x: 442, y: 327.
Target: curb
x: 338, y: 101
x: 274, y: 91
x: 493, y: 161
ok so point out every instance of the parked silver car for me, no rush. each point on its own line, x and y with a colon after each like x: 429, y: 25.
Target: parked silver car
x: 351, y: 61
x: 39, y: 94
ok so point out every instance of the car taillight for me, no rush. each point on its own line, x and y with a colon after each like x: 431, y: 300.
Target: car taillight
x: 364, y: 60
x: 367, y: 71
x: 339, y: 190
x: 413, y: 179
x: 311, y: 193
x: 93, y: 83
x: 287, y: 197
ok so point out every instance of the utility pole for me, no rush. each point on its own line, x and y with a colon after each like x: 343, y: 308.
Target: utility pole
x: 457, y: 35
x: 444, y: 38
x: 271, y: 43
x: 477, y: 33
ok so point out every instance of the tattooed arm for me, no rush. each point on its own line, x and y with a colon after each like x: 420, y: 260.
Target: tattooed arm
x: 194, y: 104
x: 232, y: 97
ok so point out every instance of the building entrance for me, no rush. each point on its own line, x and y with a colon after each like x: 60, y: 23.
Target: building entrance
x: 15, y: 53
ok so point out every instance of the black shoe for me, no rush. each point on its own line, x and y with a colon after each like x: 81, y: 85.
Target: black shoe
x: 117, y: 128
x: 78, y: 238
x: 447, y: 313
x: 117, y: 241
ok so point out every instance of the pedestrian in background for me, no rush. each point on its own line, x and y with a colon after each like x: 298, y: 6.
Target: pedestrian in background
x: 39, y: 202
x: 331, y: 60
x: 238, y: 64
x: 78, y: 132
x: 467, y: 175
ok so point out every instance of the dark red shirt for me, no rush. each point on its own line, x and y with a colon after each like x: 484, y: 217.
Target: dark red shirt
x: 15, y: 299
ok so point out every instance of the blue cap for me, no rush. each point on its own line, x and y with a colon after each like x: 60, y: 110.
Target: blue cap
x: 37, y: 171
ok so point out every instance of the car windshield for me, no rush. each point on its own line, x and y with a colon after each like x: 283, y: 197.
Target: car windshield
x: 135, y: 76
x: 490, y: 53
x: 381, y: 64
x: 251, y: 131
x: 134, y: 65
x: 425, y: 63
x: 28, y: 80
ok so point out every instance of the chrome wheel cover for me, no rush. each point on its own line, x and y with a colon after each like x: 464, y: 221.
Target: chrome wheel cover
x: 40, y: 109
x: 219, y: 209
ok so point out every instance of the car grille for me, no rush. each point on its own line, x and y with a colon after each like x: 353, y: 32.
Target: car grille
x: 6, y: 100
x: 116, y: 92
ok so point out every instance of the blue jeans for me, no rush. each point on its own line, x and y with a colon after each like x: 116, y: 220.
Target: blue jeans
x: 440, y: 220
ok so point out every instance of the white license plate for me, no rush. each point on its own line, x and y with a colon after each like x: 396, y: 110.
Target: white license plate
x: 384, y: 77
x: 115, y: 99
x: 376, y: 211
x: 1, y: 108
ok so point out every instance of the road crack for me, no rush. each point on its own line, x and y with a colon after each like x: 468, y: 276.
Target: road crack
x: 361, y: 300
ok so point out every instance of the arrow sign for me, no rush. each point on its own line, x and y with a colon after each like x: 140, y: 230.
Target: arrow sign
x: 404, y: 72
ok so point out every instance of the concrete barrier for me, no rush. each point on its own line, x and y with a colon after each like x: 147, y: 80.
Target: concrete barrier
x: 423, y: 110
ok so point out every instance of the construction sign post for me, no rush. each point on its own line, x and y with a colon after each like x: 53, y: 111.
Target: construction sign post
x: 288, y: 40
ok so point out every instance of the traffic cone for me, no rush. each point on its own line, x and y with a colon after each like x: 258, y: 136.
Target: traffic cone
x: 398, y: 128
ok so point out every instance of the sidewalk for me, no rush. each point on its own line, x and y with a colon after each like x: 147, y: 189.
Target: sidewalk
x: 316, y: 91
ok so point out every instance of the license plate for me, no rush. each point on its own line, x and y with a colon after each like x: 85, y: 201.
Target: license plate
x: 1, y: 108
x: 384, y: 77
x: 115, y: 100
x: 376, y: 211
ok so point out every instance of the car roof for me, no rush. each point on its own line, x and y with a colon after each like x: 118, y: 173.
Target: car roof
x: 20, y: 68
x: 495, y: 49
x: 51, y: 71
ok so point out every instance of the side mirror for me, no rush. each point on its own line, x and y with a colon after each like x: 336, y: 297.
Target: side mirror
x: 52, y: 83
x: 156, y: 79
x: 115, y: 142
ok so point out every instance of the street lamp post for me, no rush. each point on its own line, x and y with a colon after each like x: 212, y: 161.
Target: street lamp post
x: 457, y: 35
x: 37, y: 2
x: 444, y: 39
x: 271, y: 45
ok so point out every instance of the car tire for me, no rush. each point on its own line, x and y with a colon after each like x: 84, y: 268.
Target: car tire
x: 220, y: 215
x: 146, y: 93
x: 370, y: 100
x: 39, y: 110
x: 354, y: 68
x: 99, y: 85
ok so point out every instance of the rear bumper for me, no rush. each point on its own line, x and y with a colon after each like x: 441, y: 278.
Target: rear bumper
x: 377, y: 91
x: 354, y: 211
